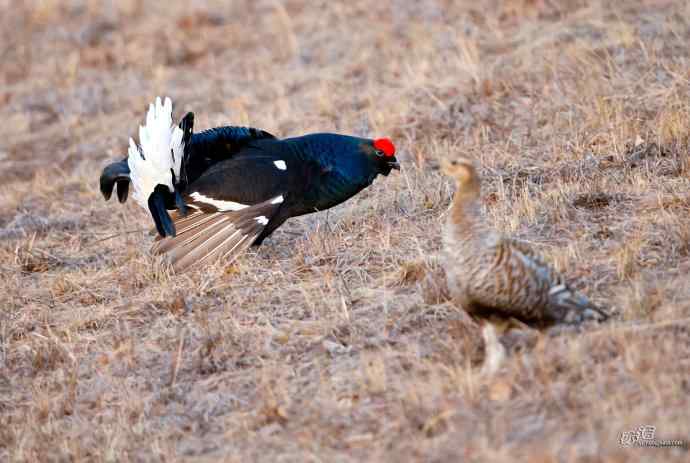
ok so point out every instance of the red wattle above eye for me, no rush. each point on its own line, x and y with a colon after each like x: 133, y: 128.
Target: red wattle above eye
x: 385, y: 145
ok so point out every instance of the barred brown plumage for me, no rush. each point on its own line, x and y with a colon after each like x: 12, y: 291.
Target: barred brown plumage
x: 489, y: 274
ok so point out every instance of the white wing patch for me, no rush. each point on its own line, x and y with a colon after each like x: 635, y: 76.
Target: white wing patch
x: 160, y: 151
x: 277, y: 200
x: 261, y: 219
x: 280, y: 164
x: 218, y: 203
x: 557, y: 289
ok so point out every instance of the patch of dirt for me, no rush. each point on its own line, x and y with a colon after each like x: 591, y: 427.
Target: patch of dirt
x: 598, y: 200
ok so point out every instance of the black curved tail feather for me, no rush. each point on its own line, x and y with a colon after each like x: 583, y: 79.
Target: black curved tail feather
x: 158, y: 202
x: 187, y: 126
x: 114, y: 174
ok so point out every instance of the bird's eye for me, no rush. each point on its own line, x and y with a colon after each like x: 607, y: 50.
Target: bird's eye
x: 379, y: 153
x: 454, y: 163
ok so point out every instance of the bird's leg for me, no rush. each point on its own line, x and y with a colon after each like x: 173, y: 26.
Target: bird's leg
x: 328, y: 224
x: 275, y: 222
x: 495, y: 353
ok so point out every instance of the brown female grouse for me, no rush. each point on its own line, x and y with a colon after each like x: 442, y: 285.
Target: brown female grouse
x: 492, y: 275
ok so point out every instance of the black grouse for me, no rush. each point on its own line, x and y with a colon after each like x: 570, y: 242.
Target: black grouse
x: 231, y: 187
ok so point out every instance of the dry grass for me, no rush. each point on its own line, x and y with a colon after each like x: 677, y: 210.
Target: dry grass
x: 333, y: 342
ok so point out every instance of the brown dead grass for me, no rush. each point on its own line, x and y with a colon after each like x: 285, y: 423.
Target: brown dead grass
x: 335, y: 341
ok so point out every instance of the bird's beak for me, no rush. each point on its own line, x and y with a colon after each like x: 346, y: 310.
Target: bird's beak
x: 394, y: 165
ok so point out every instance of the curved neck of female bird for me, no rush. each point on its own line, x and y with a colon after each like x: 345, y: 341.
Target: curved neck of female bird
x: 465, y: 211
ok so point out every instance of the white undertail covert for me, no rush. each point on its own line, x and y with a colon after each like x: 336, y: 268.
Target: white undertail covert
x: 159, y: 153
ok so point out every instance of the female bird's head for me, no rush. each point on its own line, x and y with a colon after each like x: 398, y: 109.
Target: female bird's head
x: 382, y: 152
x: 462, y: 170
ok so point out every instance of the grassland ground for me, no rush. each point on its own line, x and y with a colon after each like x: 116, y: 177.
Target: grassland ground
x: 333, y: 341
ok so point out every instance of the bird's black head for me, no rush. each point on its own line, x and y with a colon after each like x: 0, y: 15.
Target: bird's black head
x: 381, y: 152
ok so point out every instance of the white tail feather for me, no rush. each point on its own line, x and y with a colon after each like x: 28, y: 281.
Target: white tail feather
x: 160, y: 150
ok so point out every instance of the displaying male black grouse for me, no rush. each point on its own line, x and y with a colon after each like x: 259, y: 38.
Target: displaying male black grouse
x: 231, y: 187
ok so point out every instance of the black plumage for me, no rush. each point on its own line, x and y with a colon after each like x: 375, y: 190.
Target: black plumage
x: 243, y: 183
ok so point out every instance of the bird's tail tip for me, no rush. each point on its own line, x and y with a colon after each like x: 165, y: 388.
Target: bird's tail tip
x: 585, y: 313
x: 569, y: 306
x: 595, y: 313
